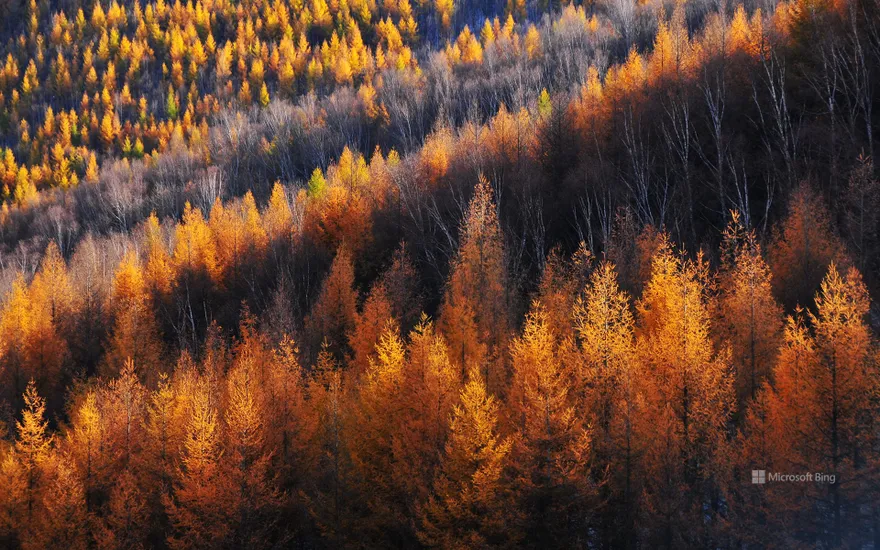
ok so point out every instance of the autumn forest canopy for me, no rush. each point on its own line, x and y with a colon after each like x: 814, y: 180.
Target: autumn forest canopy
x: 439, y: 273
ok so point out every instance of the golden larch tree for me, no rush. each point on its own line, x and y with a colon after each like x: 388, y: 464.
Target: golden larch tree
x: 333, y: 316
x: 430, y: 388
x: 88, y: 446
x: 34, y: 445
x: 374, y: 441
x: 469, y: 505
x: 64, y: 520
x: 246, y: 461
x: 135, y: 330
x: 802, y: 247
x: 195, y: 252
x: 201, y: 506
x: 611, y: 391
x: 690, y: 394
x: 369, y: 324
x: 823, y: 387
x: 561, y: 282
x: 158, y: 271
x: 749, y: 317
x: 473, y: 315
x: 551, y: 453
x: 330, y: 494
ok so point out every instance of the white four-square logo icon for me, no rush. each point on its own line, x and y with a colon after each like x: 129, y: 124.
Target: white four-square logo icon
x: 759, y: 476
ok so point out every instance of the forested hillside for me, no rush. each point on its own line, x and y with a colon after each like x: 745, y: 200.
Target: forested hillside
x: 382, y: 273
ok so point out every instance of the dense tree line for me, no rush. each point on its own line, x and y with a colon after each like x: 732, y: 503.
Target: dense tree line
x: 602, y: 420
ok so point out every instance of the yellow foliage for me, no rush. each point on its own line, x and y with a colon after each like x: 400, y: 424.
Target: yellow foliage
x: 194, y: 250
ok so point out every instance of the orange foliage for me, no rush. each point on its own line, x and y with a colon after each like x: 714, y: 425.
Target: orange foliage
x: 135, y: 334
x: 802, y: 249
x: 473, y: 313
x: 195, y: 252
x: 333, y: 315
x: 466, y: 507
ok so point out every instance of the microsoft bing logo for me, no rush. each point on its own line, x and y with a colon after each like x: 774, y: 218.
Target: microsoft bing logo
x: 759, y: 477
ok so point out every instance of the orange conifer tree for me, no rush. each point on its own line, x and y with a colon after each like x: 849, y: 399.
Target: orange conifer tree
x: 135, y: 332
x: 690, y: 394
x: 750, y: 318
x: 468, y: 505
x: 201, y: 506
x: 551, y: 453
x: 473, y: 316
x: 823, y: 387
x: 333, y: 315
x: 611, y: 391
x: 33, y: 446
x: 368, y: 327
x: 802, y: 248
x: 246, y: 461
